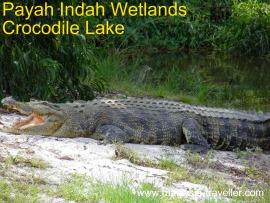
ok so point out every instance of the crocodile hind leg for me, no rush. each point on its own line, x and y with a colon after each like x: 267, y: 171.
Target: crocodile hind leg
x: 195, y: 141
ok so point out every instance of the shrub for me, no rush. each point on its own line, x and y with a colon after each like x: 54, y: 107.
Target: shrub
x: 51, y: 67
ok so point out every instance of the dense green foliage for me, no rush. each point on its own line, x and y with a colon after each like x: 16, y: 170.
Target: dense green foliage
x: 51, y: 67
x: 232, y: 26
x: 249, y: 31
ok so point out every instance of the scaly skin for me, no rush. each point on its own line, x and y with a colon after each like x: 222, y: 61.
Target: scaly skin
x: 144, y: 121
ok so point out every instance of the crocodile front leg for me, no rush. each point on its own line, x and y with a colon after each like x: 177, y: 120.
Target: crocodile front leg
x: 110, y: 134
x: 194, y: 138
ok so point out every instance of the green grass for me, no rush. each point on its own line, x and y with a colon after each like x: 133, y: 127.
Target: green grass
x: 196, y: 86
x: 16, y: 187
x: 17, y: 192
x: 28, y: 188
x: 133, y: 157
x: 81, y: 188
x: 19, y: 159
x: 115, y: 72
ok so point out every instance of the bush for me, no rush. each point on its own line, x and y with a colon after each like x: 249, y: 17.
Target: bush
x: 47, y: 67
x: 226, y: 26
x: 252, y: 27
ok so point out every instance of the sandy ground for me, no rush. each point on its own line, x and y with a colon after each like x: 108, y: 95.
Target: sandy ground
x: 85, y: 156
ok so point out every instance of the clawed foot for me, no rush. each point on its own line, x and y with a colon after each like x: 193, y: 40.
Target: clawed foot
x: 103, y: 142
x: 195, y: 148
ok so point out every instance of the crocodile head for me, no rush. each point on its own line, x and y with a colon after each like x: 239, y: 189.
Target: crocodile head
x: 44, y: 118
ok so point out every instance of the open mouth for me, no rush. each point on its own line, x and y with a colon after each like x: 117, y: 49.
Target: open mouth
x: 32, y: 120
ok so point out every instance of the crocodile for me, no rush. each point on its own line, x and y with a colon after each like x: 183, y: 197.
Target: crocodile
x: 146, y: 121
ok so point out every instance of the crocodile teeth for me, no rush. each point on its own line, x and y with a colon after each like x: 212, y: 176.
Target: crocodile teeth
x: 32, y: 120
